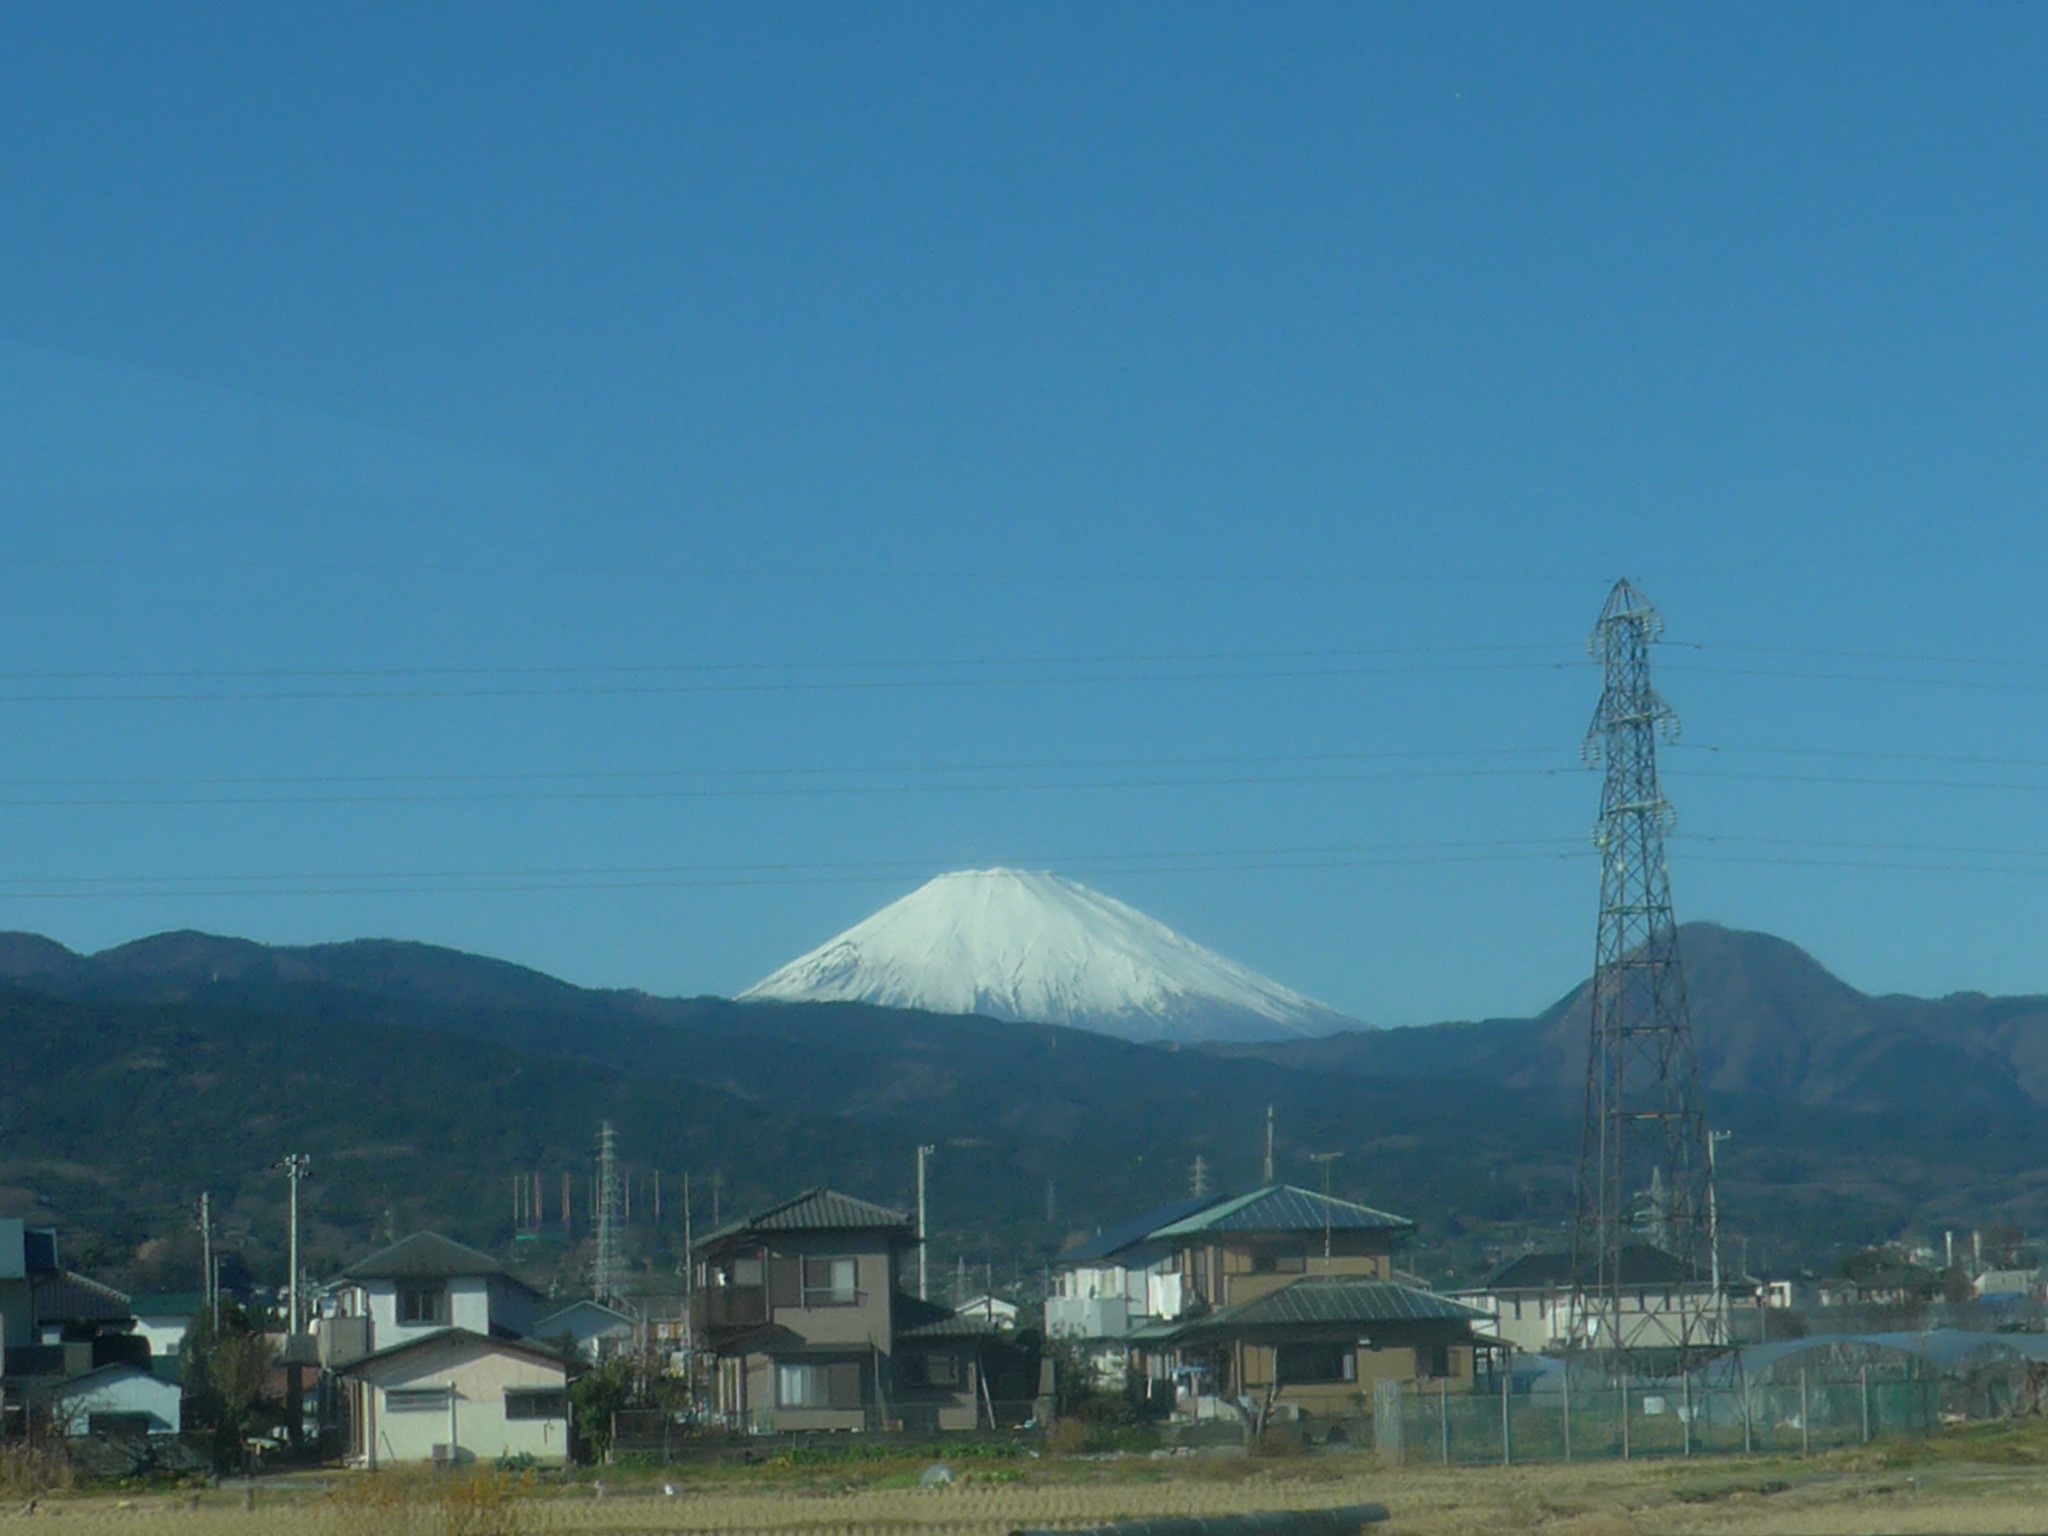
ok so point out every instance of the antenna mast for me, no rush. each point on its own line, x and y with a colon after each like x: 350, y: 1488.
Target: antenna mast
x: 1643, y: 1126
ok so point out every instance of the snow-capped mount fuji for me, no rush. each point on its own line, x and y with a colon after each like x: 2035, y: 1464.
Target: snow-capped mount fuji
x: 1015, y: 944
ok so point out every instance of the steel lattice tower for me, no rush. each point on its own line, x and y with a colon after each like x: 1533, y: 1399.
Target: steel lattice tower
x: 1645, y: 1180
x: 605, y: 1272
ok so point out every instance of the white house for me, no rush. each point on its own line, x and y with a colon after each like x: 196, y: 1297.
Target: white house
x: 1529, y: 1301
x: 162, y: 1318
x: 1120, y: 1279
x: 117, y: 1400
x: 591, y: 1328
x: 990, y: 1309
x: 454, y: 1397
x: 420, y: 1286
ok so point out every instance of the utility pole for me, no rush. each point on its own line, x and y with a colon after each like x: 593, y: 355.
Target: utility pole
x: 210, y: 1286
x: 1268, y: 1179
x: 924, y: 1152
x: 295, y: 1167
x: 1714, y: 1139
x: 1325, y: 1158
x: 1198, y: 1180
x: 1643, y: 1121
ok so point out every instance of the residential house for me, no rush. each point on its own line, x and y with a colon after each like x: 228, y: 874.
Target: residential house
x: 452, y: 1396
x: 162, y: 1317
x: 1290, y: 1304
x: 805, y: 1309
x: 54, y: 1324
x: 589, y: 1329
x: 420, y: 1286
x: 991, y: 1309
x: 123, y: 1400
x: 1120, y: 1279
x: 1529, y: 1301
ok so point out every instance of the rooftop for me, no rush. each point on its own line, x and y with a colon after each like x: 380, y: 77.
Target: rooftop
x: 1336, y: 1300
x: 428, y: 1256
x: 818, y: 1210
x: 1129, y: 1241
x: 1283, y: 1208
x: 1641, y: 1264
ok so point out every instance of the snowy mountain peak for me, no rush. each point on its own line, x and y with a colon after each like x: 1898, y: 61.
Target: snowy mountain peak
x: 1024, y: 945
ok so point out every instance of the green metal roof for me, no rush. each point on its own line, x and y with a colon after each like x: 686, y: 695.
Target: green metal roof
x: 818, y: 1210
x: 1321, y: 1300
x: 1283, y: 1208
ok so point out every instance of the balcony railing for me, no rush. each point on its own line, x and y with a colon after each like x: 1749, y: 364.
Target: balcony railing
x: 730, y: 1306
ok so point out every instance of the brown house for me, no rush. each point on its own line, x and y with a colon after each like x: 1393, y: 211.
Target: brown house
x: 805, y: 1309
x: 1291, y: 1299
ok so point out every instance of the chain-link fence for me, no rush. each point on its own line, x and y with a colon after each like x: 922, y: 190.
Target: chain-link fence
x: 1418, y: 1424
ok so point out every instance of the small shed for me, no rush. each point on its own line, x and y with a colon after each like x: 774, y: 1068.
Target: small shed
x: 117, y: 1400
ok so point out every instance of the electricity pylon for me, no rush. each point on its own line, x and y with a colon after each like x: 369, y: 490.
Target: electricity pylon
x: 1644, y: 1129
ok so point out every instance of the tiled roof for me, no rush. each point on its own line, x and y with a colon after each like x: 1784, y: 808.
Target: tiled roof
x: 819, y: 1210
x: 1283, y: 1208
x: 1336, y: 1299
x: 1127, y: 1242
x: 68, y: 1298
x: 917, y: 1319
x: 1641, y: 1264
x: 427, y: 1256
x: 525, y: 1348
x: 955, y: 1325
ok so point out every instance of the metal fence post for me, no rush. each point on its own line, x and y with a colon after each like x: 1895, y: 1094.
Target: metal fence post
x: 1567, y: 1407
x: 1686, y: 1424
x: 1624, y: 1418
x: 1742, y: 1380
x: 1443, y: 1416
x: 1863, y: 1384
x: 1507, y: 1444
x: 1805, y: 1417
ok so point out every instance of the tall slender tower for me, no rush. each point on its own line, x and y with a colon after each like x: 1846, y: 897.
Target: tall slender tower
x: 604, y: 1280
x: 1645, y: 1180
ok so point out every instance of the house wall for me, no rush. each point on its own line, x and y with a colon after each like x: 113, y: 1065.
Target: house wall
x: 1242, y: 1269
x: 166, y: 1335
x: 1389, y: 1361
x: 17, y: 1314
x: 123, y: 1392
x: 475, y: 1302
x: 477, y: 1427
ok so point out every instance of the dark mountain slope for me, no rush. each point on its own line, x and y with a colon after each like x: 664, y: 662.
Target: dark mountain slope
x: 1768, y: 1020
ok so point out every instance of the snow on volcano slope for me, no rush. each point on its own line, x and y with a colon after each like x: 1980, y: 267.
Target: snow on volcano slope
x: 1013, y: 944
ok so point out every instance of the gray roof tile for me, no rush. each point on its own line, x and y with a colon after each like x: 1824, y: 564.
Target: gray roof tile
x: 1336, y: 1299
x: 818, y: 1210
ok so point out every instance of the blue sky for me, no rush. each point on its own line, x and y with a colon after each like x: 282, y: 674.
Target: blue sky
x: 633, y: 488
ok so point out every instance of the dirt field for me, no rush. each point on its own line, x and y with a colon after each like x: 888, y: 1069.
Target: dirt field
x: 1993, y: 1485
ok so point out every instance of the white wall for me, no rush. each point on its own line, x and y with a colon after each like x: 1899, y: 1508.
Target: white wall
x: 126, y: 1391
x: 476, y: 1425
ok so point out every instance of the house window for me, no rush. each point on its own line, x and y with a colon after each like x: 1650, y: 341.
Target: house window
x: 940, y: 1371
x: 1284, y: 1261
x: 1307, y: 1364
x: 527, y: 1403
x: 834, y: 1384
x: 423, y: 1305
x: 831, y: 1282
x: 417, y: 1400
x: 1432, y: 1361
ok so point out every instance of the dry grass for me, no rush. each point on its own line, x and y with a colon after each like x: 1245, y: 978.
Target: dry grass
x: 1941, y: 1493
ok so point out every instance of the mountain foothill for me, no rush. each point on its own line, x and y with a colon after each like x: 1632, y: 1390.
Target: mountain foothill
x: 424, y: 1080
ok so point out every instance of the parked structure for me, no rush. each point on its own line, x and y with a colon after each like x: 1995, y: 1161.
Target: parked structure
x: 806, y: 1308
